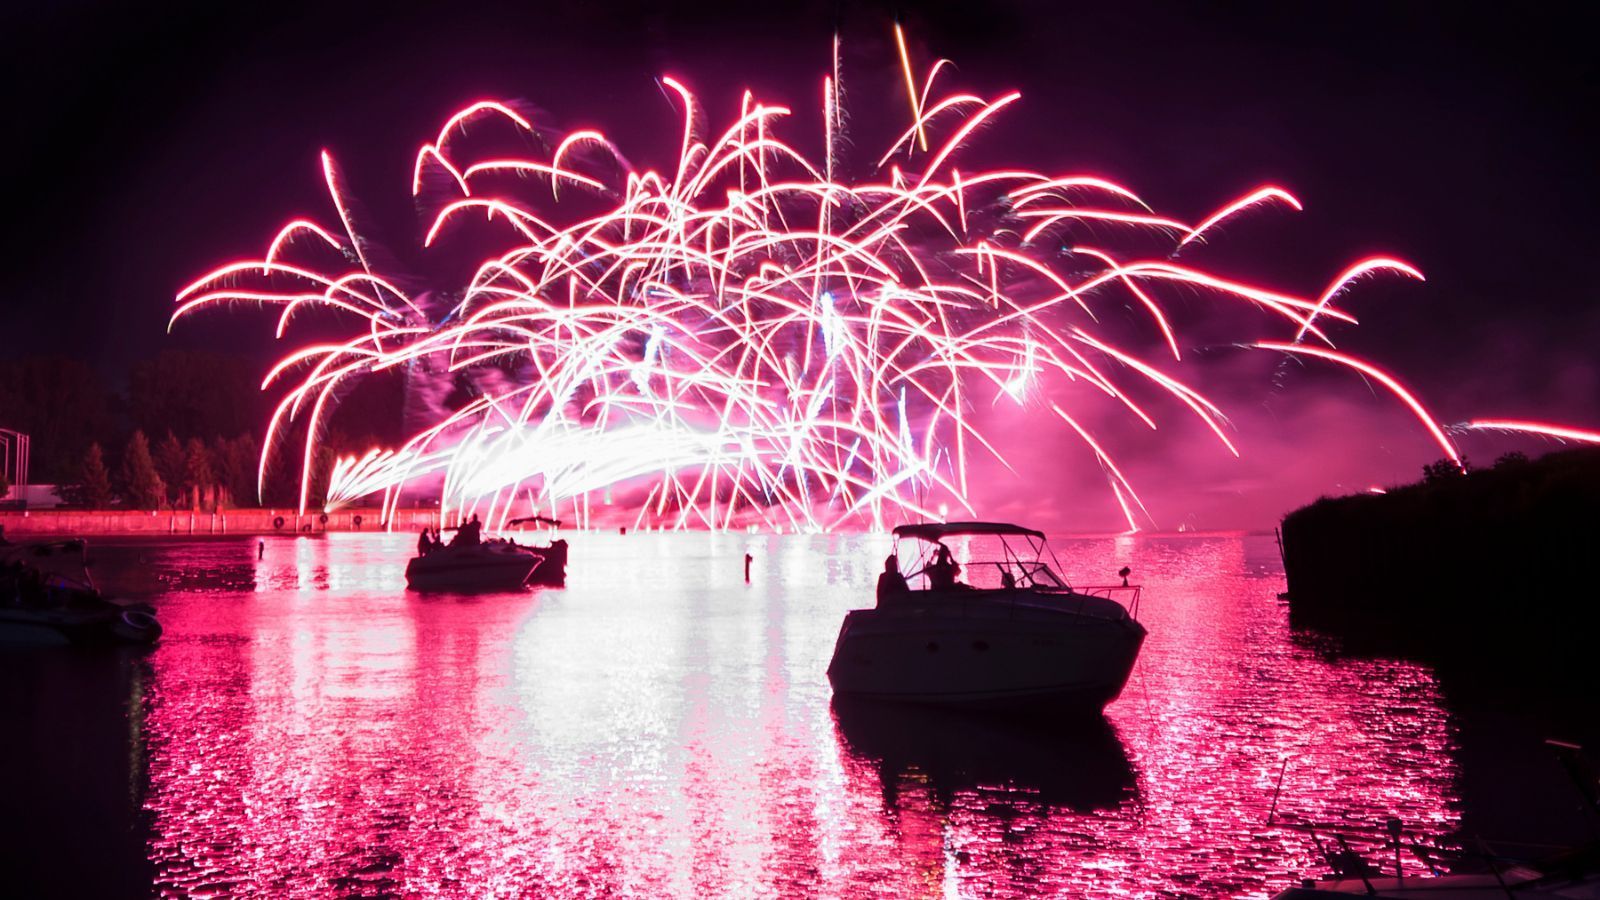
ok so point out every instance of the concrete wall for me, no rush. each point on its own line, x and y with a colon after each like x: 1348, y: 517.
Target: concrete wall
x: 42, y: 523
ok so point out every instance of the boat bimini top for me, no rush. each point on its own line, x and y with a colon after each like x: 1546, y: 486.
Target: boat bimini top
x: 997, y: 564
x: 937, y: 531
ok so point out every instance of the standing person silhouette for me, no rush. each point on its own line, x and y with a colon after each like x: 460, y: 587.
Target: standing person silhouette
x: 943, y: 571
x: 470, y: 533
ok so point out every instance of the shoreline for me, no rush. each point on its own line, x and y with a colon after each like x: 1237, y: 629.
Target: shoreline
x: 52, y: 523
x: 27, y: 524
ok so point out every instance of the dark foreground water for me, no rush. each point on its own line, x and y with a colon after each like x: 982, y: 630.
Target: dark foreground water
x: 660, y: 728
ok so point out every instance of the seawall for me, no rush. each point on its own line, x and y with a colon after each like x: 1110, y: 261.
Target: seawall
x: 76, y: 523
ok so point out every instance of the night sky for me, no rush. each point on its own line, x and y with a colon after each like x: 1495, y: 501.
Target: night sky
x: 147, y: 147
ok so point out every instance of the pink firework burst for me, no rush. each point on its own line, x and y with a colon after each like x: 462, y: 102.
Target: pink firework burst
x: 753, y: 335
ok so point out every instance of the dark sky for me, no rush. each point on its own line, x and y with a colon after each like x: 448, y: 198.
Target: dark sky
x: 146, y: 145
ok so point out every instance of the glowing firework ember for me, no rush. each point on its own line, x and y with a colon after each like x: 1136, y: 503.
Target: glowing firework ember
x: 1537, y: 429
x: 750, y: 336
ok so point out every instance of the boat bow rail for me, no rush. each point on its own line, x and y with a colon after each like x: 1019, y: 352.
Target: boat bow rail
x: 1127, y: 595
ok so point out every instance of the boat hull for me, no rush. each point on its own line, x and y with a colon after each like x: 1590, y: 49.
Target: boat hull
x: 552, y: 569
x: 470, y: 574
x: 986, y: 657
x: 493, y: 565
x: 59, y: 627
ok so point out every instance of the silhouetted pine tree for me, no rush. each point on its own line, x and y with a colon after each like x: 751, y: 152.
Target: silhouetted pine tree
x: 241, y: 471
x: 142, y: 487
x: 94, y: 482
x: 198, y: 475
x: 170, y: 462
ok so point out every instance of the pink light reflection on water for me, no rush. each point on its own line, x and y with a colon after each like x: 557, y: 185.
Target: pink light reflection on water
x: 661, y: 728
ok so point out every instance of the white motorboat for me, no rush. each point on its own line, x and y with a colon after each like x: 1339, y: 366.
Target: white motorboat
x: 1000, y: 630
x: 471, y: 564
x: 487, y: 566
x: 47, y: 597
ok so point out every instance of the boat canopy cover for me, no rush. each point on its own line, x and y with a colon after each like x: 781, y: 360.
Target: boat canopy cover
x: 934, y: 531
x: 41, y: 548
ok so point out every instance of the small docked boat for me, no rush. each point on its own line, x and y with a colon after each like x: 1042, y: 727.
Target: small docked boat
x: 47, y: 597
x: 1001, y: 631
x: 1571, y: 874
x: 471, y: 564
x: 1374, y: 862
x: 1515, y: 882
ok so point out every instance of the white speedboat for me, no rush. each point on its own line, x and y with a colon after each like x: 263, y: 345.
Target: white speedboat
x: 487, y: 566
x: 496, y: 564
x: 1000, y: 630
x: 47, y: 597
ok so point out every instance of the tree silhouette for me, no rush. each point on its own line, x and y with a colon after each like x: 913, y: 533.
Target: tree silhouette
x: 142, y: 487
x: 94, y: 482
x: 61, y: 404
x: 194, y: 393
x: 197, y: 472
x: 235, y: 465
x: 170, y: 463
x: 1443, y: 470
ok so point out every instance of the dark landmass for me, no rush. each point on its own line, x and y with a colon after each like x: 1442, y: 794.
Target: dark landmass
x: 1490, y: 576
x: 1491, y: 572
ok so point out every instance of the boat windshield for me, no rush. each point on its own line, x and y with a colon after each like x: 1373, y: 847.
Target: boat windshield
x: 980, y: 561
x: 64, y: 562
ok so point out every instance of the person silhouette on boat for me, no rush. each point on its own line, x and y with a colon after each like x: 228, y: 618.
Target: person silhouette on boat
x: 470, y: 534
x: 891, y: 584
x: 943, y: 571
x: 425, y: 543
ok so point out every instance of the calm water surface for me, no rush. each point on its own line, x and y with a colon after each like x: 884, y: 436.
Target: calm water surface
x: 661, y: 728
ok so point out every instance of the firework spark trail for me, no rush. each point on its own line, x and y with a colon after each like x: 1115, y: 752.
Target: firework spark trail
x: 755, y: 337
x: 1537, y: 429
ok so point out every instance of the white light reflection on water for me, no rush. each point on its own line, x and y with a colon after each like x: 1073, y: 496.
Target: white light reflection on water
x: 661, y: 728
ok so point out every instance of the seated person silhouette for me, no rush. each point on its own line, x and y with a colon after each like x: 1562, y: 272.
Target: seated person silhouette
x: 891, y: 584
